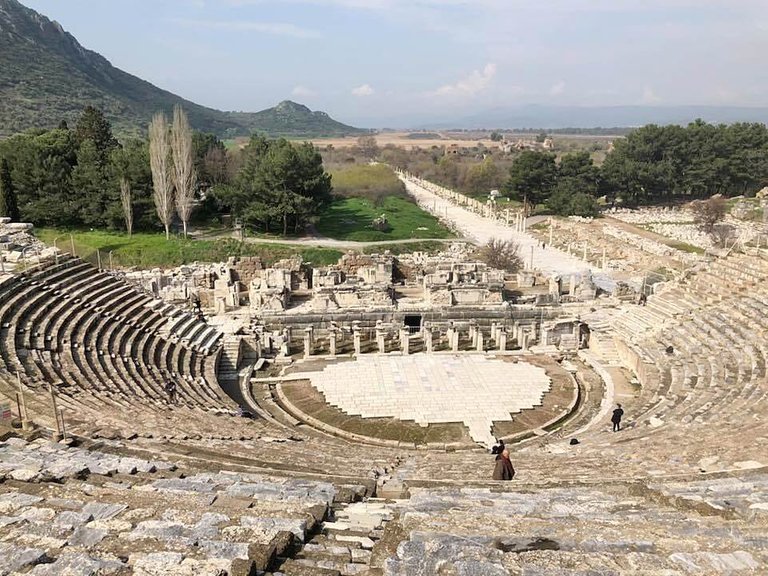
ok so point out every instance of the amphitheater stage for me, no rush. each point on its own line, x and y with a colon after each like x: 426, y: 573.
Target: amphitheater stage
x: 438, y: 400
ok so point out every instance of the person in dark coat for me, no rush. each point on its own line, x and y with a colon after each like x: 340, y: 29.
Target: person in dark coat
x: 616, y: 418
x: 504, y: 469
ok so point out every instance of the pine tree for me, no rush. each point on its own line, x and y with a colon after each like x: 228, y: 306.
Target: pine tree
x: 8, y: 204
x: 92, y: 125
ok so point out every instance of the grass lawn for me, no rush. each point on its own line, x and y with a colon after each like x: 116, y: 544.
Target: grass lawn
x: 145, y: 250
x: 351, y: 218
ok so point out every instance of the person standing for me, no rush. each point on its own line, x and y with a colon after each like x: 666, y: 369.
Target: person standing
x: 504, y: 469
x: 616, y: 418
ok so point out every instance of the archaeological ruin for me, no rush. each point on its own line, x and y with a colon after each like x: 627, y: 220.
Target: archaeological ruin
x: 249, y: 418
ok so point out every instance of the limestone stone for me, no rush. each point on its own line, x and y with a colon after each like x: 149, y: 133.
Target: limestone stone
x: 86, y: 537
x: 15, y: 558
x: 103, y: 511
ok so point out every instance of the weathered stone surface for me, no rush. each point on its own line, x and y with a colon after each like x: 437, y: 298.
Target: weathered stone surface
x: 226, y: 550
x: 706, y: 562
x: 156, y: 563
x: 75, y: 564
x: 432, y: 557
x: 86, y: 537
x: 103, y: 511
x: 13, y: 558
x: 71, y: 519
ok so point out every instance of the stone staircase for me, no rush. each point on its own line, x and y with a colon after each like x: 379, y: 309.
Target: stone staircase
x: 344, y: 544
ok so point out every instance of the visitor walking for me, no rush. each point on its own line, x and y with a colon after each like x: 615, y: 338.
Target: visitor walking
x: 170, y: 389
x: 504, y: 469
x: 616, y: 418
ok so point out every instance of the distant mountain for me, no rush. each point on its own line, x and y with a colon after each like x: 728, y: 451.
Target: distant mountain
x: 46, y: 76
x: 294, y: 120
x: 555, y: 117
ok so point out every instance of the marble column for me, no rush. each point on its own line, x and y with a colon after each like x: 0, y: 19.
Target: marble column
x: 357, y: 339
x: 405, y: 341
x: 381, y: 340
x: 332, y: 335
x: 428, y: 344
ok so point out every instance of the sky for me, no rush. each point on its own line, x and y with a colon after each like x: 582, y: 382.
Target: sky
x: 390, y: 62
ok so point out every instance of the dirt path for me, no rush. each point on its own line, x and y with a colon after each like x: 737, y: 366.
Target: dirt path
x: 323, y: 242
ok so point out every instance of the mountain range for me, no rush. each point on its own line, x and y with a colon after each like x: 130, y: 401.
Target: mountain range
x: 559, y: 117
x: 46, y: 77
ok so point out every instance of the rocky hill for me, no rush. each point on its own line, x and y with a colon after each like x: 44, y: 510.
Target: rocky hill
x: 46, y: 76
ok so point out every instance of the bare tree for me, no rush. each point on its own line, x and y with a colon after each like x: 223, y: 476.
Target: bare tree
x: 368, y: 147
x: 707, y: 213
x: 501, y: 254
x: 162, y: 179
x: 127, y: 202
x: 184, y: 175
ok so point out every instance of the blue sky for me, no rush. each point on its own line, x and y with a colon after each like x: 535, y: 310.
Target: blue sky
x: 378, y: 62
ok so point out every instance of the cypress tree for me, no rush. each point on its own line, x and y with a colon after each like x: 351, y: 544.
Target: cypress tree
x: 9, y: 206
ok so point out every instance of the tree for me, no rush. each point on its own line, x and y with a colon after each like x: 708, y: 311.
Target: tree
x: 92, y: 125
x: 501, y: 254
x: 8, y: 204
x: 368, y: 146
x: 211, y: 160
x: 496, y: 137
x: 482, y: 178
x: 162, y: 178
x: 131, y: 162
x: 127, y: 204
x: 532, y: 178
x: 707, y: 213
x: 279, y: 184
x: 184, y: 175
x: 89, y: 185
x: 581, y: 172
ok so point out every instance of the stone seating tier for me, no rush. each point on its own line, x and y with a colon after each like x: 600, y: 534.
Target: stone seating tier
x: 91, y: 334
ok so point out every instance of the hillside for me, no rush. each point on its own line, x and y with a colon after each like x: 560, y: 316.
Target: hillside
x: 46, y: 76
x: 292, y: 120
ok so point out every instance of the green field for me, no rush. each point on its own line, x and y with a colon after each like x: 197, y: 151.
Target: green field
x: 351, y: 219
x: 153, y: 250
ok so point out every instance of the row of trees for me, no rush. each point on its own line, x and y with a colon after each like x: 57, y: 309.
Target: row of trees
x: 660, y: 162
x: 568, y: 188
x: 83, y: 177
x: 652, y: 164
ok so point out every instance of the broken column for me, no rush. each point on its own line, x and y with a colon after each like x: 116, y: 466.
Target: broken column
x: 332, y: 335
x: 428, y: 343
x: 381, y: 339
x: 308, y: 342
x: 502, y: 339
x: 357, y: 340
x: 405, y: 341
x: 479, y: 339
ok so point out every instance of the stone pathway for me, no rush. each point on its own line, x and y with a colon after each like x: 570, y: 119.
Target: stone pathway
x: 472, y: 389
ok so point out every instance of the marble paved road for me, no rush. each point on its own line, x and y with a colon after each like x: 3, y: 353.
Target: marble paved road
x: 481, y: 229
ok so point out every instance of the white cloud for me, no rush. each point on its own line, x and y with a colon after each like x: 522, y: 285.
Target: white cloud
x: 649, y: 96
x: 557, y: 89
x: 274, y: 28
x: 476, y: 82
x: 364, y: 90
x: 303, y: 92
